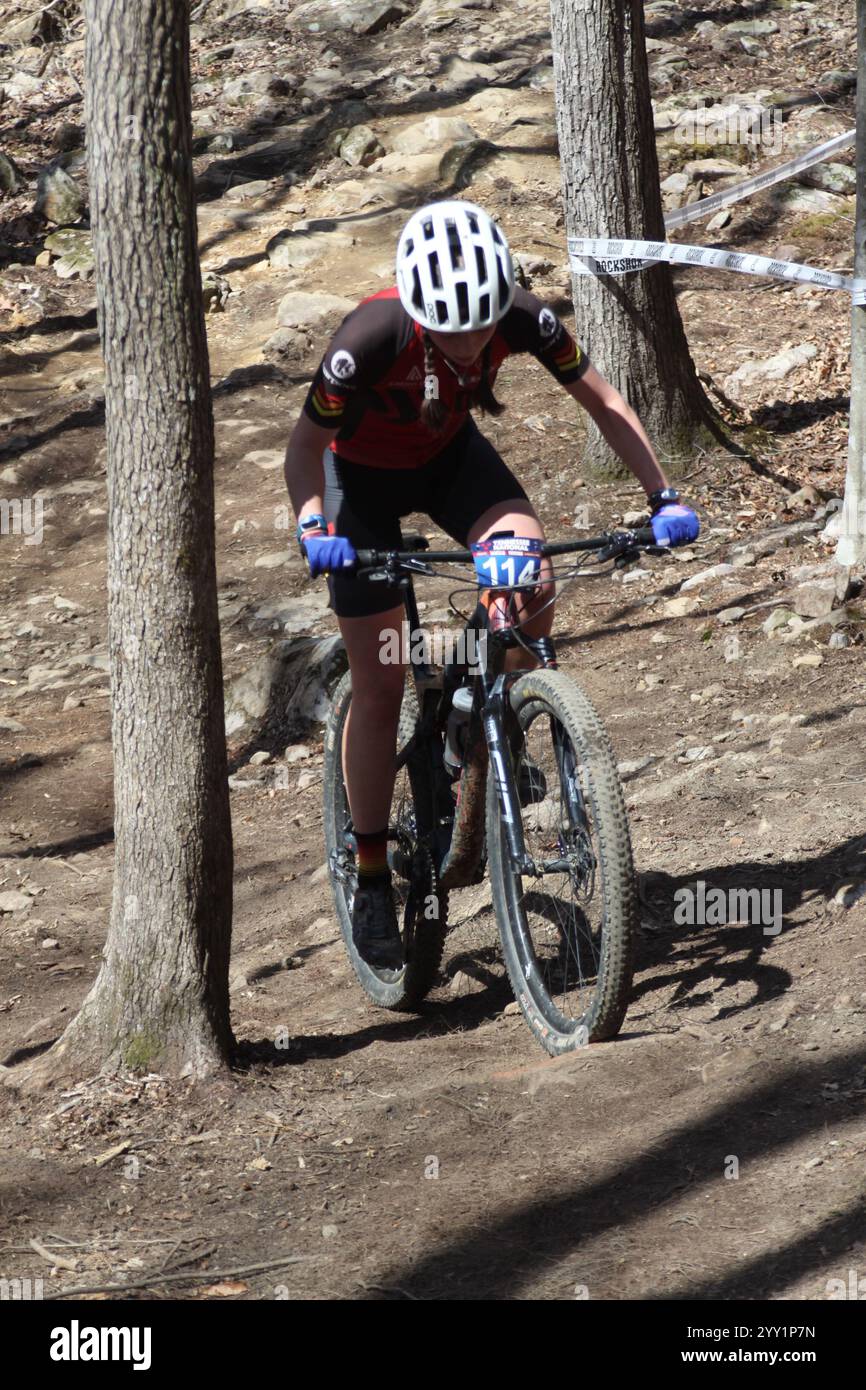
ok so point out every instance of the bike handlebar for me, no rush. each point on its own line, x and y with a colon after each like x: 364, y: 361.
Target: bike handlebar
x: 621, y: 541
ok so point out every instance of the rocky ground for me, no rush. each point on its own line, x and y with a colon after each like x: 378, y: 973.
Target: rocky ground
x: 715, y: 1150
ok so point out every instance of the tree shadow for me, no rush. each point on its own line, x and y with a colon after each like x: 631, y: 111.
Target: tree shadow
x: 495, y: 1259
x: 787, y: 417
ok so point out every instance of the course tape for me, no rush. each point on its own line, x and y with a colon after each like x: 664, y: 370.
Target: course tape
x: 680, y: 216
x: 603, y: 256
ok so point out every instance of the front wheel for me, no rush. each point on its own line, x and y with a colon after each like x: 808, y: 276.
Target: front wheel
x: 422, y: 907
x: 568, y: 929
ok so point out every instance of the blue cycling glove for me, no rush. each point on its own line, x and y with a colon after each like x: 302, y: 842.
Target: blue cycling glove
x: 327, y: 553
x: 674, y: 524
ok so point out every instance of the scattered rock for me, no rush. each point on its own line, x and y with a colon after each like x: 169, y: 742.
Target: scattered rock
x: 674, y: 187
x: 359, y: 16
x: 324, y: 312
x: 808, y: 659
x: 58, y: 197
x: 73, y: 247
x: 290, y: 686
x: 714, y: 572
x: 433, y: 135
x: 815, y: 599
x: 796, y: 198
x: 215, y: 291
x: 297, y: 753
x: 244, y: 192
x: 251, y: 85
x: 712, y: 168
x: 632, y: 767
x: 463, y: 984
x: 848, y: 894
x: 265, y: 458
x: 696, y: 754
x: 753, y: 27
x: 806, y: 496
x: 831, y: 177
x: 360, y: 147
x: 772, y: 368
x: 68, y: 136
x: 305, y: 242
x: 779, y: 618
x: 11, y: 179
x: 729, y: 615
x: 13, y: 901
x: 287, y: 344
x: 20, y: 84
x: 680, y: 607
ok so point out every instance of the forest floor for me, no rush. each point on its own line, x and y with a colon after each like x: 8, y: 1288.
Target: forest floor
x: 715, y: 1149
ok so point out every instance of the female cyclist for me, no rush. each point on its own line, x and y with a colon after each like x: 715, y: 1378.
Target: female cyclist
x: 386, y: 430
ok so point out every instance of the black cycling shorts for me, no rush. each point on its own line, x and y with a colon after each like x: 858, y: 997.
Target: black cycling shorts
x: 366, y: 504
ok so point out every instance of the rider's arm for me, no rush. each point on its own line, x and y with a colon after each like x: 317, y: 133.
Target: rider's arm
x: 532, y: 326
x: 620, y: 427
x: 304, y: 470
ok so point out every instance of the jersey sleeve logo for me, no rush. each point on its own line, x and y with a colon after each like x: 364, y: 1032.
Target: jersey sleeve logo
x: 341, y: 367
x: 548, y: 323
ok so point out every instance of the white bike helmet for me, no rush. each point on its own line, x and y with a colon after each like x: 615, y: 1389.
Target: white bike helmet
x: 454, y: 268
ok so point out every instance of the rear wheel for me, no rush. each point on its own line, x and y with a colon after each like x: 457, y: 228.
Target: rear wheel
x: 422, y: 909
x: 568, y: 931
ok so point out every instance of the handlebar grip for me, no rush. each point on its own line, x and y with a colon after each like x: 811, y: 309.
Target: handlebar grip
x: 645, y: 535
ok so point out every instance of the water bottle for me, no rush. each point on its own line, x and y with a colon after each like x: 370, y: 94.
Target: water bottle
x: 455, y: 736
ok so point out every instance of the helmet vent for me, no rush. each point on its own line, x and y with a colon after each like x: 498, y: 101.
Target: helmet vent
x: 417, y: 296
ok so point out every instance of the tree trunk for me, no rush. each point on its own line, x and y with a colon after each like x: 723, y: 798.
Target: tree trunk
x: 160, y: 1001
x: 630, y: 325
x: 851, y: 549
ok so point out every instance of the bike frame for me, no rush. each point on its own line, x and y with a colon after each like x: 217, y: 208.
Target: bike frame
x: 488, y: 737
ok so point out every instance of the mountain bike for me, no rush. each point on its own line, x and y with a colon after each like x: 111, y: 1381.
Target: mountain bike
x: 532, y: 798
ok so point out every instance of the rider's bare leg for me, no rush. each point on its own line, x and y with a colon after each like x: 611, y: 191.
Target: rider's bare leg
x: 519, y: 516
x: 370, y: 739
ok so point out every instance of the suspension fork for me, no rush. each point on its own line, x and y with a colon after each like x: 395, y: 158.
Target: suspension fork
x: 487, y: 744
x: 493, y: 717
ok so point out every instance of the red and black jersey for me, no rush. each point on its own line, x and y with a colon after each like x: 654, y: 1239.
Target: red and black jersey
x: 370, y: 382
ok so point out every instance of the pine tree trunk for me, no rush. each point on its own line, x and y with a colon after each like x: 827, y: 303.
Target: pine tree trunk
x: 630, y: 325
x: 851, y: 549
x: 160, y: 1001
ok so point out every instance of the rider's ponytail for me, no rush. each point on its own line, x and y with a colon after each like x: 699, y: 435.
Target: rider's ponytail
x: 433, y: 413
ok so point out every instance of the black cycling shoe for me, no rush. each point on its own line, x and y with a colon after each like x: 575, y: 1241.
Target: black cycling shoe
x: 374, y: 924
x: 531, y: 782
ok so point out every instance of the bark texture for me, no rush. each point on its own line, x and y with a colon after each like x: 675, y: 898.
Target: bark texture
x: 851, y: 550
x: 161, y: 1000
x: 630, y: 325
